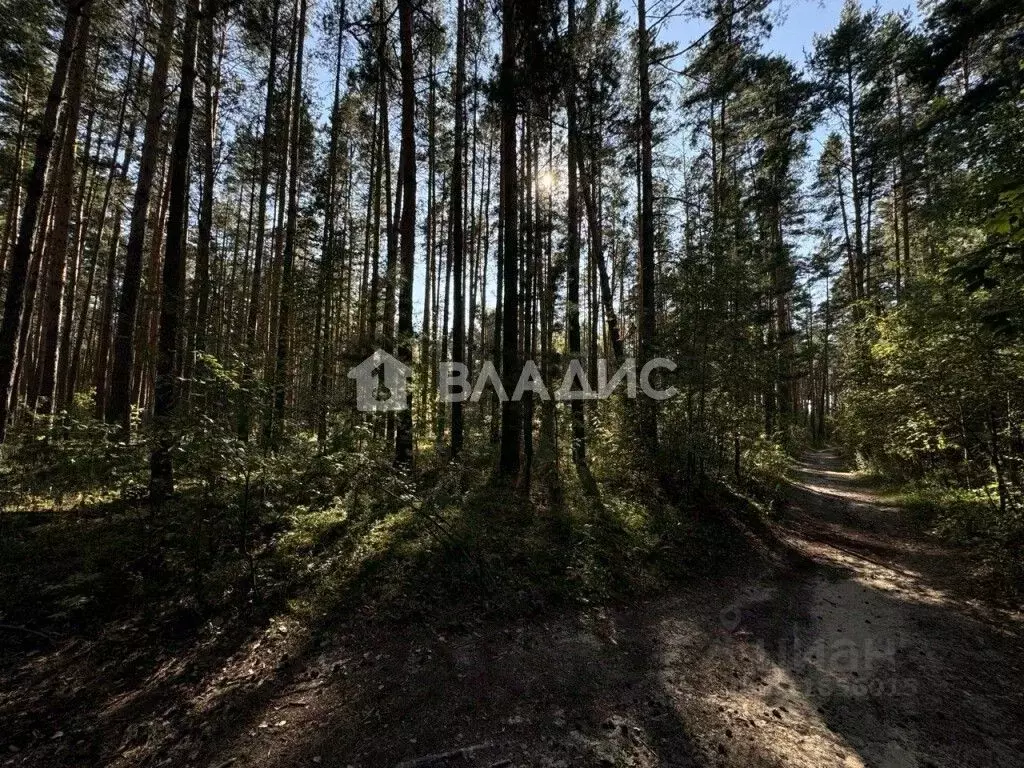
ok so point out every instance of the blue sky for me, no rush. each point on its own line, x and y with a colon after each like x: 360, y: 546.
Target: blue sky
x: 806, y: 18
x: 802, y: 19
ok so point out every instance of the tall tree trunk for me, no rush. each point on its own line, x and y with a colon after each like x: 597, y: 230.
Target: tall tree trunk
x: 610, y: 315
x: 859, y: 256
x: 57, y: 258
x: 648, y: 421
x: 552, y: 274
x: 117, y: 171
x: 407, y: 179
x: 426, y: 330
x: 14, y: 302
x: 904, y: 182
x: 392, y: 215
x: 458, y: 229
x: 291, y: 230
x: 106, y: 320
x: 86, y: 193
x: 511, y: 421
x: 252, y: 328
x: 147, y: 333
x: 371, y: 233
x: 572, y: 273
x: 118, y: 410
x: 14, y: 199
x: 322, y: 368
x: 161, y: 483
x: 530, y: 227
x: 381, y: 197
x: 204, y: 239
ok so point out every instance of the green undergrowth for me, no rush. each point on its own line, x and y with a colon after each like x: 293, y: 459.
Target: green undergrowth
x: 973, y: 519
x: 958, y: 510
x: 330, y: 534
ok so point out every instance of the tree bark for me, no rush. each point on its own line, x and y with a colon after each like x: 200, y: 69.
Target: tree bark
x: 511, y: 421
x: 252, y: 328
x: 14, y: 302
x: 106, y: 310
x: 458, y: 230
x: 572, y: 274
x: 204, y: 239
x: 322, y: 367
x: 407, y: 179
x: 648, y: 421
x: 118, y: 409
x: 14, y: 199
x: 610, y: 315
x: 161, y: 465
x: 57, y: 267
x: 291, y: 230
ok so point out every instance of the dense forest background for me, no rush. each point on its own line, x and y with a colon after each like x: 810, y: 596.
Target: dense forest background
x: 211, y: 210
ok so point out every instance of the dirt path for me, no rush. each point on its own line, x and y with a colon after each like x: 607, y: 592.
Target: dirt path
x: 846, y: 642
x: 881, y: 655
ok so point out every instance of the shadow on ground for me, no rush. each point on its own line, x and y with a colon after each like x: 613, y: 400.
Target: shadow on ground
x: 828, y: 636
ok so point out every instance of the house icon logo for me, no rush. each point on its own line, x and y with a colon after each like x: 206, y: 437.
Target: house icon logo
x: 382, y: 383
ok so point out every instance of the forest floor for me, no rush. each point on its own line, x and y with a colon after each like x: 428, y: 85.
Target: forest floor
x: 844, y: 638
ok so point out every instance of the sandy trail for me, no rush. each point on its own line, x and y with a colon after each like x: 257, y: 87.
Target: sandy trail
x: 888, y: 662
